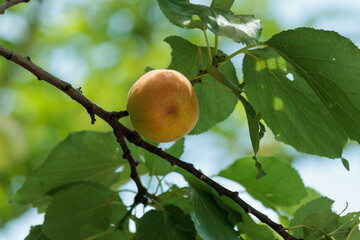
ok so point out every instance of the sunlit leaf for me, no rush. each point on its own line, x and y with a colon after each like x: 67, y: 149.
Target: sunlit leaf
x: 307, y: 89
x: 241, y: 28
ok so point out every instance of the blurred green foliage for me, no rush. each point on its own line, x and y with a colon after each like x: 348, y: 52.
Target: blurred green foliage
x: 102, y: 47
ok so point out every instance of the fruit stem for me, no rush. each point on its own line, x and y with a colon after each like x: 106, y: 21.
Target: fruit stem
x: 208, y: 46
x: 242, y: 50
x: 216, y: 44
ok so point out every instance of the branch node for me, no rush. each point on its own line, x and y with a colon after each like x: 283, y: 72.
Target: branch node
x: 141, y: 198
x: 8, y: 57
x: 28, y: 58
x: 67, y: 87
x: 79, y: 89
x: 120, y: 114
x: 134, y: 137
x: 91, y: 113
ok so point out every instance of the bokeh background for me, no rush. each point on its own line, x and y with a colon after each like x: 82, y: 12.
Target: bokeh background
x: 104, y: 47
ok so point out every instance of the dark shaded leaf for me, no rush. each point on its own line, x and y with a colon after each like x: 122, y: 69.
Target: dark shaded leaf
x: 345, y: 163
x: 36, y: 233
x: 210, y: 221
x: 82, y: 156
x: 222, y: 4
x: 82, y: 211
x: 161, y: 225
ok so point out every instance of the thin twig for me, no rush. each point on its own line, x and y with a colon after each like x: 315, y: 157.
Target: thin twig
x: 121, y: 131
x: 9, y: 3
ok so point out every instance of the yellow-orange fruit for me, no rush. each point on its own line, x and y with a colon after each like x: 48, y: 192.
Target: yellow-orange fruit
x: 162, y: 105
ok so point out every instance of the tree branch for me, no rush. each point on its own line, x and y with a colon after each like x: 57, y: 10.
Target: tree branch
x: 9, y: 3
x: 121, y: 131
x: 142, y: 192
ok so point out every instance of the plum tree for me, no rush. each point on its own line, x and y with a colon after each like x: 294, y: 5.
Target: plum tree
x: 163, y: 105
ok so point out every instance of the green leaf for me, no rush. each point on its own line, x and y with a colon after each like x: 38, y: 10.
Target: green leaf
x: 222, y: 4
x: 161, y: 225
x: 115, y: 235
x: 159, y: 166
x: 245, y: 223
x: 345, y: 163
x: 323, y: 222
x: 311, y: 195
x: 211, y: 222
x: 348, y: 227
x: 247, y: 227
x: 36, y: 233
x: 307, y: 89
x: 244, y: 29
x: 256, y: 128
x: 82, y: 211
x: 176, y: 196
x: 182, y: 220
x: 148, y: 69
x: 282, y: 186
x: 254, y: 230
x: 214, y: 72
x: 241, y: 28
x: 316, y: 236
x: 256, y: 131
x: 215, y: 101
x: 331, y: 72
x: 82, y: 156
x: 318, y: 205
x: 181, y: 12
